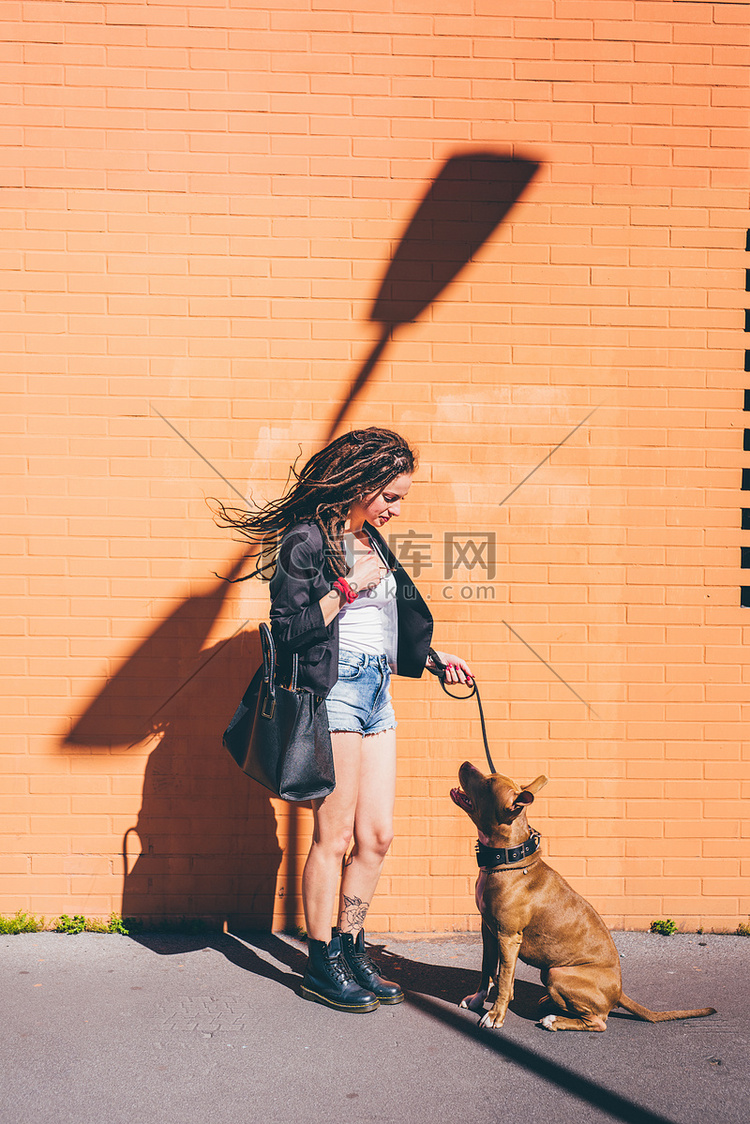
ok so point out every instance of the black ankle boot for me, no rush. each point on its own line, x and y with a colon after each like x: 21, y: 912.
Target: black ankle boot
x: 365, y: 972
x: 329, y: 980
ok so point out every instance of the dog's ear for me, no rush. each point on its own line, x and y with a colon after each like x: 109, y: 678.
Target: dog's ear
x: 534, y: 786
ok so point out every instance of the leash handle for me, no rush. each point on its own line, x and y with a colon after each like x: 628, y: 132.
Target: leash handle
x: 440, y: 670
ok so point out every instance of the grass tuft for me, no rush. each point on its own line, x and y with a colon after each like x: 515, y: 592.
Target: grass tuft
x: 666, y: 928
x: 80, y: 924
x: 71, y: 925
x: 21, y: 922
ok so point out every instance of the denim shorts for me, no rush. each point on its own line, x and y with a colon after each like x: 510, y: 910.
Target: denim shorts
x: 360, y: 701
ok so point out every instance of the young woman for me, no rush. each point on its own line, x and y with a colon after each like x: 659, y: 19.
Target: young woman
x: 343, y: 603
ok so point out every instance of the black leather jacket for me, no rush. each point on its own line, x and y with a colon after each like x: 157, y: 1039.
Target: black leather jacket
x: 301, y: 579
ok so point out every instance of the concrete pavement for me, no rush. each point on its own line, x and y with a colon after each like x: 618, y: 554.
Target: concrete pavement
x: 177, y: 1029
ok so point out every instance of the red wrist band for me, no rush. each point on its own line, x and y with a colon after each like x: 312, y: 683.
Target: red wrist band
x: 342, y: 585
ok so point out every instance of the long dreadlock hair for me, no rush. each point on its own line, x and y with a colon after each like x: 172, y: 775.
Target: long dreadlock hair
x: 352, y: 467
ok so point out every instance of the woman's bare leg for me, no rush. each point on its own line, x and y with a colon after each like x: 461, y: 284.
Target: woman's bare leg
x: 333, y: 824
x: 373, y: 828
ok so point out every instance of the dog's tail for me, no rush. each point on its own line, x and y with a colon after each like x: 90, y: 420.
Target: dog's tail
x: 661, y: 1016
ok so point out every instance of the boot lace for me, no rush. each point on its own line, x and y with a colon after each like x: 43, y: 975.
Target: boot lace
x: 363, y: 962
x: 339, y: 969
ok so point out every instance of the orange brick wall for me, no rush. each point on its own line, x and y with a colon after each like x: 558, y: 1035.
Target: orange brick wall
x: 199, y: 202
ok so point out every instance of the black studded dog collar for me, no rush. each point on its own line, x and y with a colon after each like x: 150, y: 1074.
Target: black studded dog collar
x: 490, y: 857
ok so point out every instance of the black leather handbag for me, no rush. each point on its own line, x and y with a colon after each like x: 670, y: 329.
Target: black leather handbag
x: 279, y: 735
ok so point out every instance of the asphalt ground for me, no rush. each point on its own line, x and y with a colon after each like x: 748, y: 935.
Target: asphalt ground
x: 102, y: 1029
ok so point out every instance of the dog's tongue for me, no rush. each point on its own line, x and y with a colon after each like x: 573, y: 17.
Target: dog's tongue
x: 461, y: 799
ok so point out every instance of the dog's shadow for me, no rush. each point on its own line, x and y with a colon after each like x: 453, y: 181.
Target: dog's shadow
x: 530, y: 1000
x: 451, y: 984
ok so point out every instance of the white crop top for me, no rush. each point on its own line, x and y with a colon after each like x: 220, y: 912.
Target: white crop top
x: 364, y: 624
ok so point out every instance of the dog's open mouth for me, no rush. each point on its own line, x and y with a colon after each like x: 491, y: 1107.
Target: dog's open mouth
x: 461, y: 799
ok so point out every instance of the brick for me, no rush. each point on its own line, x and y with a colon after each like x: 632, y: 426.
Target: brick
x: 612, y: 276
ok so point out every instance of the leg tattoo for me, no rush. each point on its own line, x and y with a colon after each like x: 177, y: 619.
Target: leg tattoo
x: 354, y: 913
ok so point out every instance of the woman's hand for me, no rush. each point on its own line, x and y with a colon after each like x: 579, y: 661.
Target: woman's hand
x: 456, y: 669
x: 366, y: 571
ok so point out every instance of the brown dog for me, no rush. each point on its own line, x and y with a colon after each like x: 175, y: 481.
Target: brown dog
x: 528, y: 910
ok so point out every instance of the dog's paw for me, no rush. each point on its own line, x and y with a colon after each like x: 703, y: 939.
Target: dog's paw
x: 548, y: 1022
x: 474, y: 1002
x: 494, y: 1022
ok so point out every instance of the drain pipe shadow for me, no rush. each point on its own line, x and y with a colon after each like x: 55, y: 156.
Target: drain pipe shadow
x: 590, y: 1092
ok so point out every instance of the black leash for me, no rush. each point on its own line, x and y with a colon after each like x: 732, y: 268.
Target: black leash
x: 440, y: 670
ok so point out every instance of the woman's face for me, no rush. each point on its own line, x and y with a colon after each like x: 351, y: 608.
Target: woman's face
x: 378, y: 507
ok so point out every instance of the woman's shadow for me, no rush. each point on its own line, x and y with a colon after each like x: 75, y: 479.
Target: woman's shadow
x: 204, y: 845
x: 204, y: 852
x: 283, y: 959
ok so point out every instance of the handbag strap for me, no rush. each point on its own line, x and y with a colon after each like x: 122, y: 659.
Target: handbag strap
x: 268, y: 649
x: 441, y: 670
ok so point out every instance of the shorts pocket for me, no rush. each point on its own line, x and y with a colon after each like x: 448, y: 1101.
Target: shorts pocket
x: 349, y: 670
